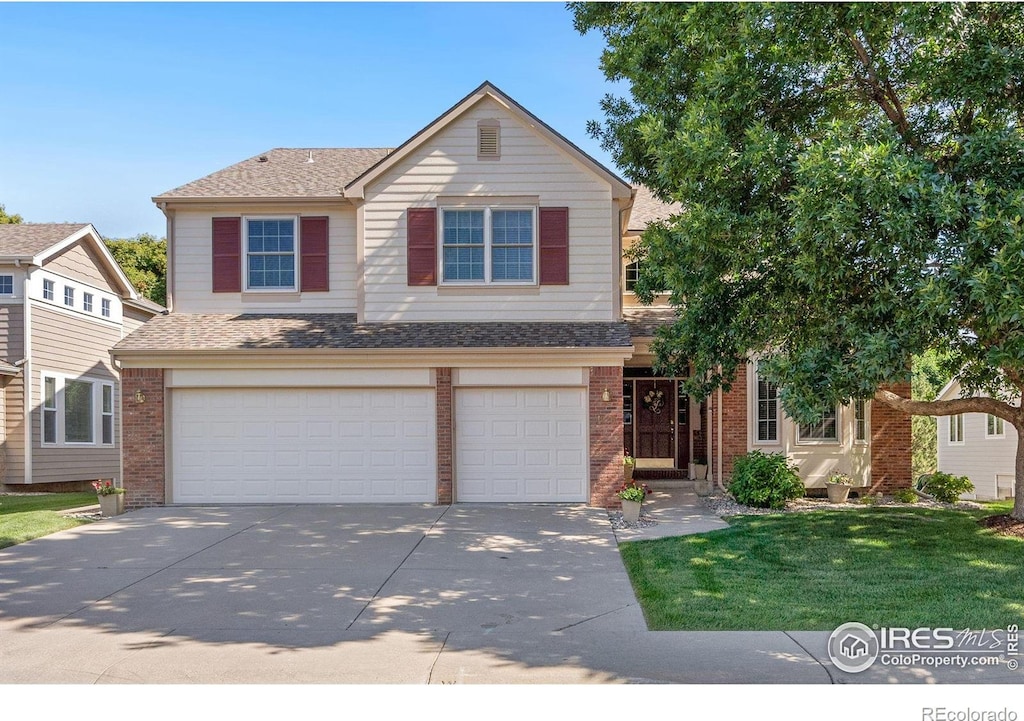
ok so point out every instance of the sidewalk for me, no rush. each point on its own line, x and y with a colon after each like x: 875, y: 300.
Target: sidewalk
x: 676, y: 512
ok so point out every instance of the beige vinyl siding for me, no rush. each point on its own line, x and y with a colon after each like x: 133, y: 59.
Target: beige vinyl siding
x: 447, y: 165
x: 81, y: 263
x: 193, y: 259
x: 72, y: 345
x: 12, y: 347
x: 132, y: 319
x: 979, y: 458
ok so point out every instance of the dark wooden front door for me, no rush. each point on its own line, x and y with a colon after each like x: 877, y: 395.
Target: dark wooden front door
x: 655, y: 403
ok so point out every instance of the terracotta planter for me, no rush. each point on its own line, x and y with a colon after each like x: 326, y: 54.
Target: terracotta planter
x: 837, y: 492
x: 627, y: 473
x: 630, y: 511
x: 112, y: 504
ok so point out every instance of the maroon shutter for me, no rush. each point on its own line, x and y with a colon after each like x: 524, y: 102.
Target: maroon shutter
x: 314, y: 254
x: 227, y: 255
x: 554, y: 246
x: 421, y: 252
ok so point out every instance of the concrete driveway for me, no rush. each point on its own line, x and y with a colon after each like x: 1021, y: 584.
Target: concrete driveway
x: 357, y: 594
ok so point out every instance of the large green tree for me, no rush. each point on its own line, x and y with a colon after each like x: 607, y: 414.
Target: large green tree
x: 852, y: 178
x: 144, y: 260
x: 8, y: 219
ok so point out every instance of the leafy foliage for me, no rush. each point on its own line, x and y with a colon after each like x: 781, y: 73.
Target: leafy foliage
x: 144, y: 260
x: 852, y: 178
x: 928, y: 379
x: 905, y: 495
x: 946, y: 487
x: 765, y: 480
x: 8, y: 219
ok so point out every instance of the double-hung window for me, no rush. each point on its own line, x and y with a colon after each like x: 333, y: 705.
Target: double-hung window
x: 105, y: 307
x: 823, y: 430
x: 860, y: 420
x: 270, y: 246
x: 69, y: 296
x: 488, y: 245
x: 956, y: 429
x: 994, y: 427
x: 87, y: 302
x: 48, y: 288
x: 77, y: 411
x: 767, y: 410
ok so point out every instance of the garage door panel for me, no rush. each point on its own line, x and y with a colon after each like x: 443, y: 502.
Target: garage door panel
x: 523, y: 444
x: 313, y: 446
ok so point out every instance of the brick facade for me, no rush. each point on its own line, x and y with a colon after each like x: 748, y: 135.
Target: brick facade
x: 142, y: 425
x: 443, y: 393
x: 734, y: 408
x: 890, y: 444
x: 605, y: 435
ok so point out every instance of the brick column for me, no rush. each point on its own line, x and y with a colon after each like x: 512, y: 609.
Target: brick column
x: 734, y: 424
x: 605, y: 435
x: 443, y: 402
x: 890, y: 444
x: 142, y: 437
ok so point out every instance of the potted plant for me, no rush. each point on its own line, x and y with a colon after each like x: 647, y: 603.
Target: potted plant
x: 838, y: 485
x: 699, y: 467
x: 628, y: 464
x: 111, y: 498
x: 632, y: 495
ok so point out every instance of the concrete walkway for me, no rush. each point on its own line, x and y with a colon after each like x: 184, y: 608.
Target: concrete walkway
x: 676, y: 512
x: 368, y: 594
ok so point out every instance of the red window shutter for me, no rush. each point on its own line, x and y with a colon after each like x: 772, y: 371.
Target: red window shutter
x: 314, y: 267
x: 421, y: 241
x: 554, y: 246
x: 227, y: 255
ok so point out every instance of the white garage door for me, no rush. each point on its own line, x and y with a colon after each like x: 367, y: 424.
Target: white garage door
x: 520, y: 444
x: 303, y: 446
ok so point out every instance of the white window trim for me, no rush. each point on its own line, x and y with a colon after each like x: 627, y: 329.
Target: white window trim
x: 757, y: 419
x: 69, y: 294
x: 488, y: 231
x: 295, y: 252
x: 50, y: 286
x: 867, y: 422
x: 959, y: 420
x: 88, y: 302
x: 11, y: 276
x: 106, y: 308
x: 999, y: 423
x: 837, y: 441
x: 97, y: 411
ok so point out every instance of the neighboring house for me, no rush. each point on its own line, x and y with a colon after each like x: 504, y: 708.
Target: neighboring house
x: 442, y: 321
x: 64, y: 302
x: 979, y: 446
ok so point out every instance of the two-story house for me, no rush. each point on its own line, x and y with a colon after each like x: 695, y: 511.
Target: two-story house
x: 64, y: 303
x: 441, y: 321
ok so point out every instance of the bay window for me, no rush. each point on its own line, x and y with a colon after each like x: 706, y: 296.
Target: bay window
x: 77, y: 411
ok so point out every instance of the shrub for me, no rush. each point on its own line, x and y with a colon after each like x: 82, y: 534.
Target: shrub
x: 905, y: 495
x: 765, y: 480
x: 946, y: 487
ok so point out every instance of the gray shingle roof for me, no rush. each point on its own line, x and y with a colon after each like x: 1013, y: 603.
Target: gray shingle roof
x: 24, y: 240
x: 643, y: 322
x: 286, y: 173
x: 647, y: 209
x: 258, y: 331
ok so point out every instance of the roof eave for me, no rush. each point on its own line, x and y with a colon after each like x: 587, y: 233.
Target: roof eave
x: 248, y: 199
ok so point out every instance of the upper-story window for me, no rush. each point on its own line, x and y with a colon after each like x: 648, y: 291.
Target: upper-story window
x: 994, y: 427
x: 69, y: 296
x: 270, y: 253
x: 956, y: 429
x: 488, y: 245
x: 6, y: 285
x: 632, y: 274
x: 105, y: 307
x: 824, y: 430
x: 87, y: 302
x: 48, y: 289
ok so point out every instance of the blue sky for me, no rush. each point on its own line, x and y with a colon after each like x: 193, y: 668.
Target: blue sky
x: 106, y: 105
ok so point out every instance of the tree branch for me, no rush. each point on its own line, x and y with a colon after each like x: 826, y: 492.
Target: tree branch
x: 979, y: 404
x: 882, y: 92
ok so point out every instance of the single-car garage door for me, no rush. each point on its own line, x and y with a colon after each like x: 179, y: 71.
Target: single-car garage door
x: 520, y: 444
x: 323, y: 445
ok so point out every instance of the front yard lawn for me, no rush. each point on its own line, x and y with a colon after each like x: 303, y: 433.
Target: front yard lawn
x: 813, y: 571
x: 23, y: 518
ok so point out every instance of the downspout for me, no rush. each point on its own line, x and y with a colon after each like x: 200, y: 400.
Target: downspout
x: 707, y: 438
x: 721, y: 485
x: 26, y: 392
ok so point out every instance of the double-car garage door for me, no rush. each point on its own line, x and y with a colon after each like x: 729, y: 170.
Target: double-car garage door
x: 343, y: 445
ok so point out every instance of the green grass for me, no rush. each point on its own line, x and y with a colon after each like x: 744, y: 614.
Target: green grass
x: 812, y: 571
x: 23, y: 518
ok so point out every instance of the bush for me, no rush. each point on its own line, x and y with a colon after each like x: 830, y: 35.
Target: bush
x: 764, y: 480
x: 905, y: 495
x: 946, y: 487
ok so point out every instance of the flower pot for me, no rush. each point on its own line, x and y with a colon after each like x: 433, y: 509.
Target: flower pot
x: 698, y: 471
x: 111, y: 504
x: 627, y: 473
x: 630, y: 511
x: 837, y: 492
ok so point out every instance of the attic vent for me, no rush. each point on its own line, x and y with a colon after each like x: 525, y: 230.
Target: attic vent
x: 488, y: 140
